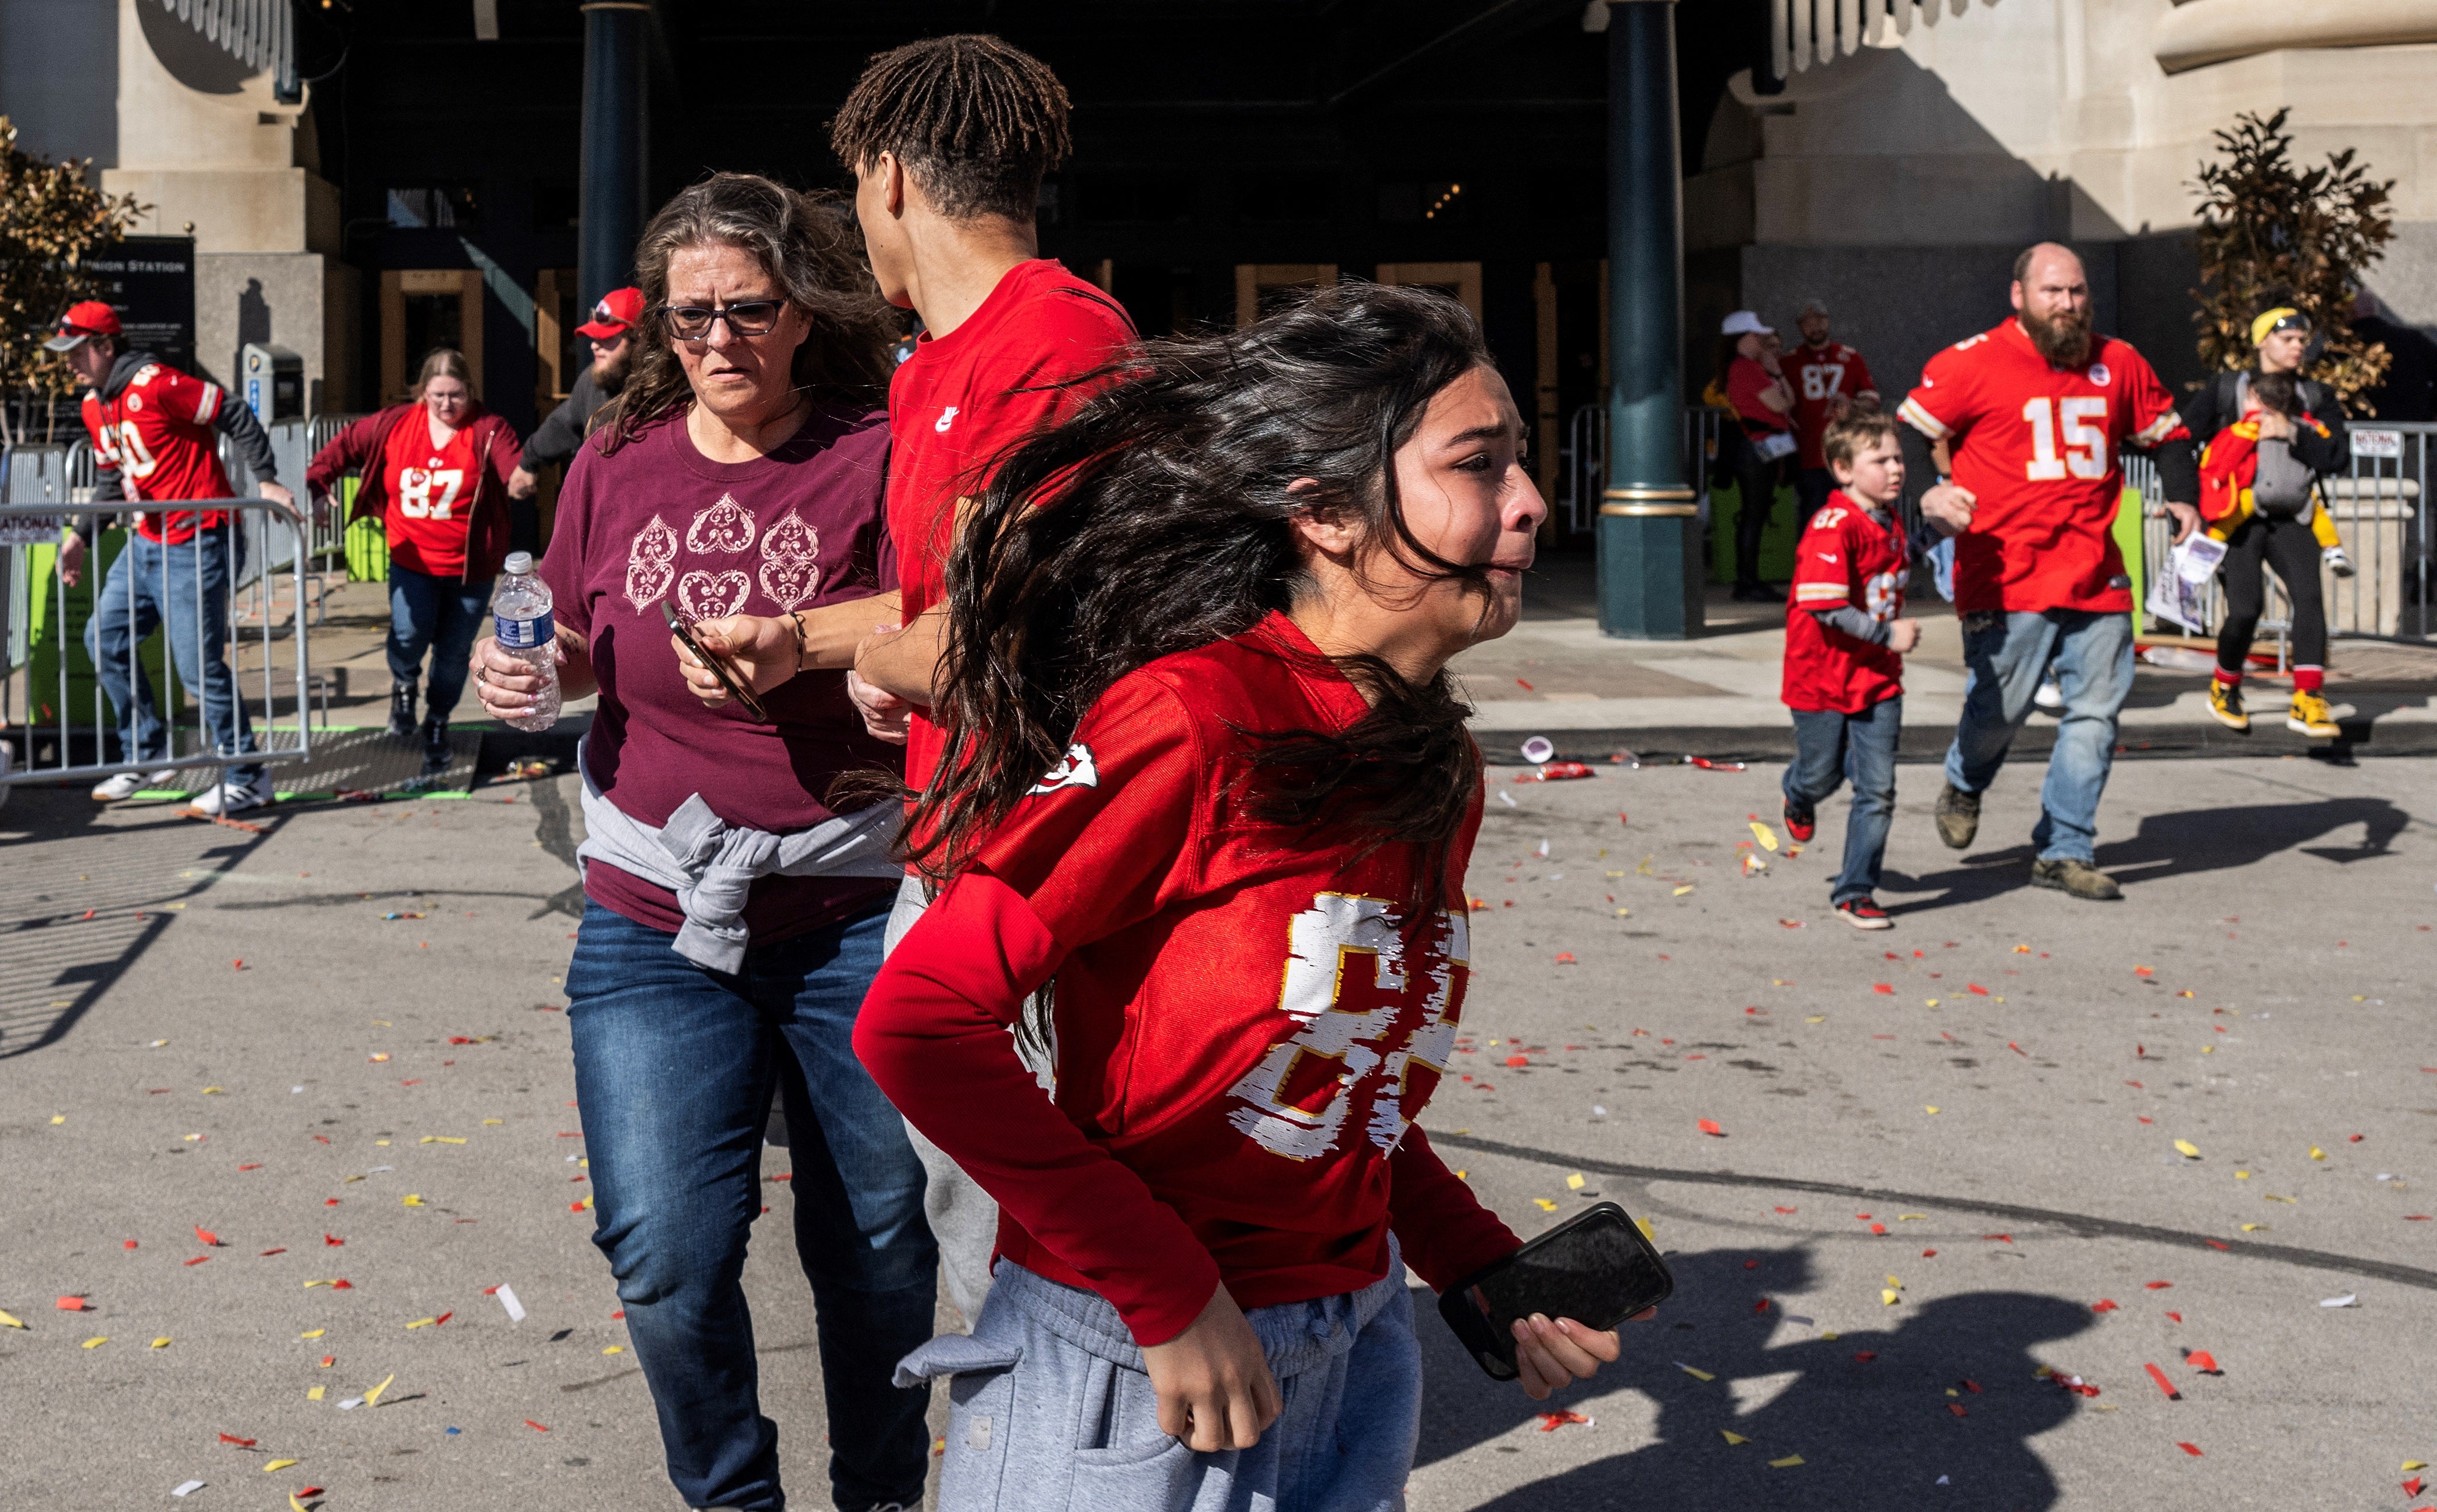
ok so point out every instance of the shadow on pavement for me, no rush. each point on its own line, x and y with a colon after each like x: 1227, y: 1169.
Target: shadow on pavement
x: 67, y: 936
x: 2177, y: 844
x: 1869, y: 1412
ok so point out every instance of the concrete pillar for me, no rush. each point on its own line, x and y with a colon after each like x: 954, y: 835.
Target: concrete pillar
x: 611, y: 202
x: 1649, y: 538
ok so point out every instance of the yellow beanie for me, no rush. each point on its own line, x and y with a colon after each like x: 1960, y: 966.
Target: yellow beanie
x: 2269, y: 319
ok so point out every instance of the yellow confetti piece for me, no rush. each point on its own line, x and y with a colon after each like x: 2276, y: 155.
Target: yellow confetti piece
x: 1892, y: 1281
x: 1829, y: 1337
x: 1685, y: 888
x: 1575, y: 1182
x: 294, y: 1506
x: 58, y: 1118
x: 314, y: 1334
x: 278, y: 1465
x: 351, y: 1179
x: 1649, y: 1230
x: 1696, y: 1374
x: 1464, y: 1175
x: 2187, y: 1150
x: 1733, y: 1438
x: 2242, y: 1175
x: 1618, y: 874
x: 411, y: 1200
x: 373, y: 1395
x: 97, y: 1342
x: 161, y: 1343
x: 1625, y: 913
x: 1767, y: 837
x: 422, y: 1322
x: 2274, y: 1198
x: 2208, y: 1049
x: 2252, y: 1228
x: 1929, y: 1108
x: 615, y: 1349
x: 2409, y: 1465
x: 1821, y: 1018
x: 1544, y: 1205
x: 1786, y: 1464
x: 442, y: 1139
x: 2316, y: 1153
x: 1907, y: 1218
x: 1643, y: 869
x: 314, y: 1393
x: 495, y: 1120
x: 380, y: 1142
x: 208, y: 1091
x: 12, y: 1320
x: 1929, y: 1002
x: 1887, y: 1295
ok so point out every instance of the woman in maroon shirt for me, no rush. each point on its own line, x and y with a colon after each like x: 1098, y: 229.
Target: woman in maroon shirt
x: 733, y: 919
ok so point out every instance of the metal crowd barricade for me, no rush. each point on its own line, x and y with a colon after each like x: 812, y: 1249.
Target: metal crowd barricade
x: 68, y: 726
x: 1582, y: 463
x: 2378, y: 507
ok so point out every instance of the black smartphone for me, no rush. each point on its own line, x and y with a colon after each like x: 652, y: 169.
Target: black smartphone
x: 718, y: 666
x: 1595, y: 1267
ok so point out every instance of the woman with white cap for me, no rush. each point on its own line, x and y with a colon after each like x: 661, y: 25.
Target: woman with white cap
x: 1753, y: 383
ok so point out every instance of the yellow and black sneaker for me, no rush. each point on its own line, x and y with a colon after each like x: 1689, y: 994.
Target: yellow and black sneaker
x: 2311, y: 716
x: 2225, y: 702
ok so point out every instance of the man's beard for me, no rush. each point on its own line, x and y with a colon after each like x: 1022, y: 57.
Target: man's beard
x: 610, y: 373
x: 2064, y: 340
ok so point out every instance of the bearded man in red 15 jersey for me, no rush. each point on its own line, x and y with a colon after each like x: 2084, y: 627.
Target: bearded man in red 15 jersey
x: 2033, y: 411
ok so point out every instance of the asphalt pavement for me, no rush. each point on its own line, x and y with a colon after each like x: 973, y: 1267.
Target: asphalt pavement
x: 1946, y: 1171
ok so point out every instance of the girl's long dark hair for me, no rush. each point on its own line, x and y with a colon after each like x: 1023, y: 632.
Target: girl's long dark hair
x: 1155, y: 519
x: 812, y: 247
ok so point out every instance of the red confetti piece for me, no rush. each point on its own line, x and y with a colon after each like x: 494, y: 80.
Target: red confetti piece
x: 1790, y: 923
x: 2164, y: 1385
x: 1928, y: 1255
x: 1564, y: 958
x: 241, y: 1443
x: 308, y: 1491
x: 2203, y: 1362
x: 1956, y: 1408
x: 570, y: 1134
x: 2352, y: 1139
x: 206, y: 1236
x: 327, y: 1361
x: 1878, y: 1228
x: 1975, y: 989
x: 1518, y: 1059
x: 1761, y: 1305
x: 1709, y: 1126
x: 1787, y: 1209
x: 199, y: 1259
x: 2177, y: 1316
x: 2193, y: 1450
x: 1865, y: 1355
x: 1999, y: 1238
x: 2216, y: 1245
x: 2136, y: 1086
x: 2156, y: 1286
x: 2102, y: 1305
x: 2018, y: 1050
x: 267, y: 1254
x: 329, y: 1202
x: 1861, y: 1218
x: 1972, y: 1386
x: 324, y: 1139
x: 1751, y: 1265
x: 343, y: 1286
x: 1550, y: 1422
x: 2411, y: 1486
x: 577, y: 1207
x: 131, y: 1244
x: 1525, y: 686
x: 1888, y: 988
x: 535, y: 1427
x: 256, y: 1165
x: 332, y: 1240
x: 75, y: 1305
x: 2415, y: 1218
x: 459, y: 1039
x: 442, y: 1318
x: 619, y: 1313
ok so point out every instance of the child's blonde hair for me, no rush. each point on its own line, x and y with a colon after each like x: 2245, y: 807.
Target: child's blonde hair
x: 1863, y: 428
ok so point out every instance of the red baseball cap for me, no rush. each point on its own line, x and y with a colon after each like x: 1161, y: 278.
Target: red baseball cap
x: 617, y: 310
x: 89, y: 317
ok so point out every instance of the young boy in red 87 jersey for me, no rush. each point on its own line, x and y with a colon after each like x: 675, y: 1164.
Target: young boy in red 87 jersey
x: 1845, y: 641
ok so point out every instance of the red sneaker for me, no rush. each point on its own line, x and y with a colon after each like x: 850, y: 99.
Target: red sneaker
x: 1865, y: 913
x: 1802, y: 823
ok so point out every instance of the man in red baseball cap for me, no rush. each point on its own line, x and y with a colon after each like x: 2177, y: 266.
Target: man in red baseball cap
x: 157, y: 436
x: 559, y: 436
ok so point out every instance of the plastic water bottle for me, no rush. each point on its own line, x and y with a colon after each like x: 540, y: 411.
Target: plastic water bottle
x: 521, y: 610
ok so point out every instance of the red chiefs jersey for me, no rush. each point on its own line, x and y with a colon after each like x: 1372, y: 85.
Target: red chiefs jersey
x: 2036, y: 447
x: 1820, y: 374
x: 1848, y: 554
x: 430, y: 494
x: 1247, y: 1024
x: 964, y: 398
x: 157, y: 433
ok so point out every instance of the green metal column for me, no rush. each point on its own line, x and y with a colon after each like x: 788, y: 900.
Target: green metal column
x: 1649, y: 537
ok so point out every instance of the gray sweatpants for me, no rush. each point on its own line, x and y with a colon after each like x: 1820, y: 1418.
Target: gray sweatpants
x: 963, y: 1217
x: 1050, y: 1409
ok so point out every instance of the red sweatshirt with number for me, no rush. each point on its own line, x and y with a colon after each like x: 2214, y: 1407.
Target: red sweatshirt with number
x: 1246, y: 1024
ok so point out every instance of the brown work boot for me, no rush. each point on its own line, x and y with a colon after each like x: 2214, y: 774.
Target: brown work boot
x: 1958, y: 817
x: 2079, y: 878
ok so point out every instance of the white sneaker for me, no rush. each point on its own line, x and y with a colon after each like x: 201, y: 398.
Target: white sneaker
x: 233, y: 797
x: 2049, y: 695
x: 2337, y: 561
x: 127, y: 784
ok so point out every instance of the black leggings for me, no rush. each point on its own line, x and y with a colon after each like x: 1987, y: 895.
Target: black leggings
x: 2287, y: 546
x: 1756, y: 482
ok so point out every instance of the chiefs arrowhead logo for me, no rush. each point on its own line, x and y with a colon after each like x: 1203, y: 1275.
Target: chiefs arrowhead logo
x: 1074, y: 770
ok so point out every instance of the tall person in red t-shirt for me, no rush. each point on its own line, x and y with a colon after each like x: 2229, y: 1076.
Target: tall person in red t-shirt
x: 2033, y: 413
x: 1828, y: 377
x: 1212, y: 778
x: 949, y: 139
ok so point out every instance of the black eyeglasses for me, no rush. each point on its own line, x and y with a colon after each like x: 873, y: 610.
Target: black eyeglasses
x: 692, y: 323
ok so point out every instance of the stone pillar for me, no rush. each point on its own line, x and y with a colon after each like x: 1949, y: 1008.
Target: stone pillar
x: 1649, y: 538
x: 611, y: 205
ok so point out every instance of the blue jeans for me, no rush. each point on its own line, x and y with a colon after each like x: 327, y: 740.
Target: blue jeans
x: 152, y: 586
x: 1831, y: 748
x: 673, y: 1070
x: 2092, y: 653
x: 436, y: 614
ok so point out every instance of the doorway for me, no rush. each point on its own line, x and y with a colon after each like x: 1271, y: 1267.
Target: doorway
x: 424, y: 307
